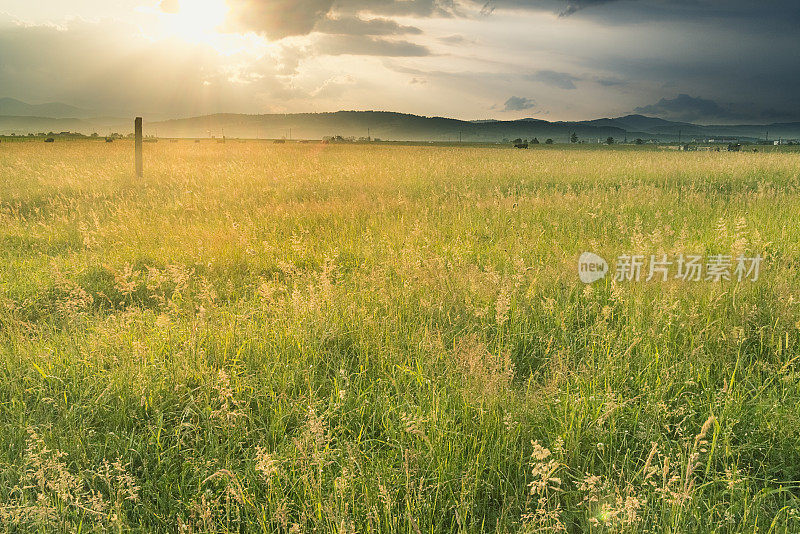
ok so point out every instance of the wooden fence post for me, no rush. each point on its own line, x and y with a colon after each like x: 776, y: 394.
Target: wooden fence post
x: 138, y: 145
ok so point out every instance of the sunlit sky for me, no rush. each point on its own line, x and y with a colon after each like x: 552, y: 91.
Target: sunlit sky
x: 696, y: 60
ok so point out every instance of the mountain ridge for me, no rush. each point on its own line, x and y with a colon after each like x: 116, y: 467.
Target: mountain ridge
x: 387, y: 125
x: 55, y: 110
x: 404, y: 126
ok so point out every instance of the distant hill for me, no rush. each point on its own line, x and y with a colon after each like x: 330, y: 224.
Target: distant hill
x: 22, y: 118
x: 375, y: 124
x: 687, y: 131
x: 400, y: 126
x: 640, y: 123
x: 55, y: 110
x: 25, y: 125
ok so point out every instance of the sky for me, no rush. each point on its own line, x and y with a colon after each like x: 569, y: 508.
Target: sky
x: 703, y: 61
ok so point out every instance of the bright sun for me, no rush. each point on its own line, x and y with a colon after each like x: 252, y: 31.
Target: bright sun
x: 197, y: 20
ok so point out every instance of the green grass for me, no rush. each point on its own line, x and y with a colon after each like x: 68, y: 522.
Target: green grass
x: 259, y: 337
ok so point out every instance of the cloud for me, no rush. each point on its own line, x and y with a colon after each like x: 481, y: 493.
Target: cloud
x: 576, y: 5
x: 734, y: 14
x: 561, y: 80
x: 611, y: 82
x: 334, y: 86
x: 128, y: 74
x: 276, y: 19
x: 405, y: 8
x: 706, y: 111
x: 694, y: 109
x: 518, y: 103
x: 564, y: 8
x: 739, y: 60
x: 456, y: 39
x: 359, y: 26
x: 358, y: 45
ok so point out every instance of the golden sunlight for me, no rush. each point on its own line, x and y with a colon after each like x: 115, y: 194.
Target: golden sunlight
x: 196, y: 21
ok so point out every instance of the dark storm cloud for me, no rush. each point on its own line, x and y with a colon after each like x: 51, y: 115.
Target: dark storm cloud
x: 739, y: 52
x: 701, y: 110
x: 687, y: 108
x: 766, y: 17
x: 518, y: 103
x: 744, y: 76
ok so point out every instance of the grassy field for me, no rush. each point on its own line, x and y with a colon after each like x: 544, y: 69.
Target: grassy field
x: 308, y: 338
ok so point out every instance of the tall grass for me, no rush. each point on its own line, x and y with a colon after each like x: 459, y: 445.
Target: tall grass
x: 304, y: 338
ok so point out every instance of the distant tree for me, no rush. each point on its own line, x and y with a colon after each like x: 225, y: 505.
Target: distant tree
x: 639, y: 141
x: 517, y: 140
x: 94, y: 134
x: 573, y: 138
x: 535, y: 141
x: 610, y: 141
x: 548, y: 142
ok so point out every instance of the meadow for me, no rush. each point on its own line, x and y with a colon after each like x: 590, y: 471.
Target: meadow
x: 352, y: 338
